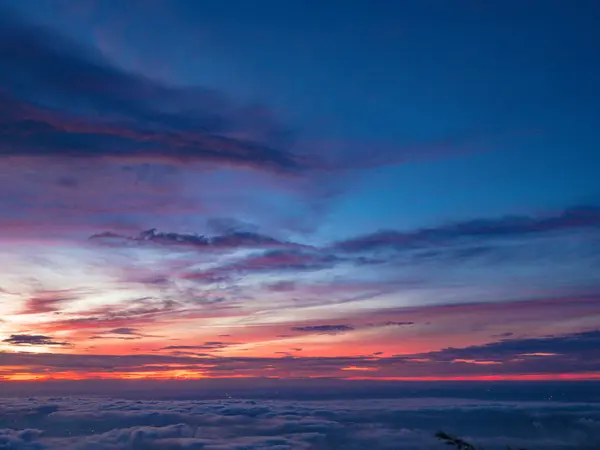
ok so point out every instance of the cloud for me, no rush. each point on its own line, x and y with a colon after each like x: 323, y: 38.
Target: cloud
x: 503, y: 335
x: 287, y: 260
x: 59, y: 99
x: 229, y: 226
x: 479, y: 229
x: 32, y: 339
x: 281, y: 286
x: 137, y: 311
x: 582, y: 347
x: 47, y: 301
x: 291, y: 259
x: 123, y: 333
x: 124, y: 330
x: 209, y: 345
x: 83, y: 422
x: 390, y: 323
x: 334, y: 329
x: 23, y: 439
x: 327, y: 329
x: 236, y: 239
x: 508, y: 243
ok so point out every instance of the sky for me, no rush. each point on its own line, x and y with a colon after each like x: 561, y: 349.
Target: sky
x: 300, y: 189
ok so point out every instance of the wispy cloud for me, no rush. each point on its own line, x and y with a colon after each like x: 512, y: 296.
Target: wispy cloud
x: 327, y: 329
x: 476, y: 230
x: 209, y: 345
x: 235, y: 239
x: 48, y: 301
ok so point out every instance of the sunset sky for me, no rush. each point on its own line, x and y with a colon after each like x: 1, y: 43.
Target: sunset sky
x: 298, y: 188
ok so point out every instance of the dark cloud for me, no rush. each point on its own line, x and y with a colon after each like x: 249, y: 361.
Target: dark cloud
x: 209, y: 345
x: 282, y: 286
x: 581, y: 347
x: 390, y: 323
x: 503, y: 335
x: 123, y: 333
x: 232, y: 240
x: 58, y: 99
x: 124, y: 330
x: 32, y: 339
x: 324, y: 328
x: 506, y: 227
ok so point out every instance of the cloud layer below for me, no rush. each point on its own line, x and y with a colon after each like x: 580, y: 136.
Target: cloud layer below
x: 227, y: 424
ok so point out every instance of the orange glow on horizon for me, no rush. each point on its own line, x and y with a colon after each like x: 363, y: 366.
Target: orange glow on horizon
x: 360, y: 369
x: 189, y: 375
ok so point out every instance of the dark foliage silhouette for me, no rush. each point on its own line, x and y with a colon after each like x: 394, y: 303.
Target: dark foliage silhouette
x: 459, y: 443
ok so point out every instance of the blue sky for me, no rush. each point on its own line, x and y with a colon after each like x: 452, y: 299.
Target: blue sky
x: 511, y: 85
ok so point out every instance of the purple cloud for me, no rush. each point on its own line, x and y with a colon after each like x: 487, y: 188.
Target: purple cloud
x: 32, y: 339
x: 134, y: 119
x: 235, y: 239
x: 327, y: 329
x: 480, y: 229
x: 48, y: 301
